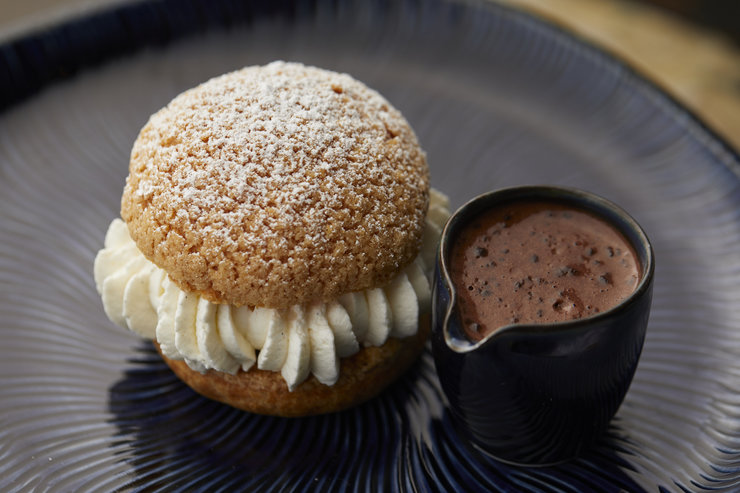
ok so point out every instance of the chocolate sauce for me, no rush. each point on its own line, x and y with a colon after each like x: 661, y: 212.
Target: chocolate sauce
x: 539, y: 262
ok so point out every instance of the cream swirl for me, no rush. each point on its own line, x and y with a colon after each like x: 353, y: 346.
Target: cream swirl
x: 298, y: 341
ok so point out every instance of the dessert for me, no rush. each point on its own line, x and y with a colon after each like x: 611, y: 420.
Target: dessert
x: 539, y: 262
x: 276, y: 238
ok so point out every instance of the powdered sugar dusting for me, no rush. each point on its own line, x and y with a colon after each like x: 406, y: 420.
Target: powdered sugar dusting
x: 270, y: 176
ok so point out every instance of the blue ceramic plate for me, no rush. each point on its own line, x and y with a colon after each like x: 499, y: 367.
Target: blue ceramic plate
x: 498, y: 99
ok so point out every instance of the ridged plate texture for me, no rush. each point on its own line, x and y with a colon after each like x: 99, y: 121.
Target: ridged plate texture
x: 498, y: 99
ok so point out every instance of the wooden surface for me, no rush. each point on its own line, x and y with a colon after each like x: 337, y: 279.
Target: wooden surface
x: 698, y: 66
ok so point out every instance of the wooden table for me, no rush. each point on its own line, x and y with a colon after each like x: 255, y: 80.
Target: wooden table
x: 698, y: 66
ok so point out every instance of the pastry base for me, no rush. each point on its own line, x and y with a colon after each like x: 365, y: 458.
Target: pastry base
x: 362, y: 376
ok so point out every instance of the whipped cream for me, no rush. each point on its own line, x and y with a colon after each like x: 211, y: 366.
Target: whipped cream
x: 297, y: 341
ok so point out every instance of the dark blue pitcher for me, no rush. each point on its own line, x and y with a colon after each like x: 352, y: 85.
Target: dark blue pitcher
x: 540, y: 393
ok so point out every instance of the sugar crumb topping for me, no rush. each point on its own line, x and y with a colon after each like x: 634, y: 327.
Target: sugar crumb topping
x: 277, y: 185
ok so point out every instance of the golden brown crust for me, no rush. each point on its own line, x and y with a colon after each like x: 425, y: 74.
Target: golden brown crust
x: 362, y: 376
x: 277, y: 185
